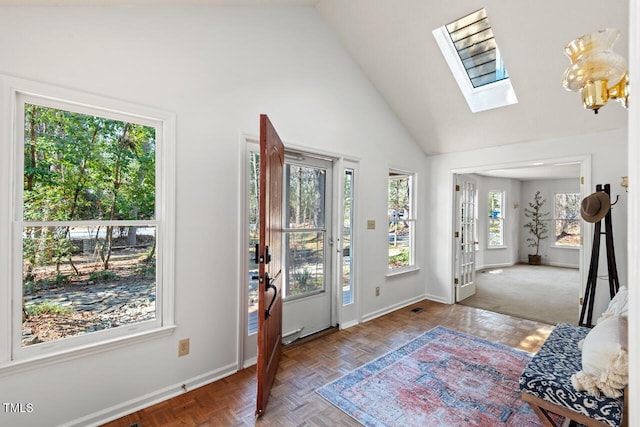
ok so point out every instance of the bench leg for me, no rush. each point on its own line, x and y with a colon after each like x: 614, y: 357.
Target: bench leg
x: 542, y: 409
x: 543, y: 415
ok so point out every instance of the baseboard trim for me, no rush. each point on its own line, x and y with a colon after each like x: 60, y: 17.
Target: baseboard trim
x: 250, y: 362
x: 437, y: 298
x: 554, y: 264
x: 392, y: 308
x: 559, y: 264
x: 501, y: 265
x: 133, y: 405
x: 347, y: 325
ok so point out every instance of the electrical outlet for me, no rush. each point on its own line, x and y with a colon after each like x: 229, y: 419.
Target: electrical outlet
x: 183, y: 347
x: 377, y: 291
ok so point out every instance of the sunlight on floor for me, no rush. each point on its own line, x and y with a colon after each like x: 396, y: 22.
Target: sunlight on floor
x: 498, y: 271
x: 534, y: 341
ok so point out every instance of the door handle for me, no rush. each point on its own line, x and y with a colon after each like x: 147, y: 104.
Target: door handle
x: 270, y: 285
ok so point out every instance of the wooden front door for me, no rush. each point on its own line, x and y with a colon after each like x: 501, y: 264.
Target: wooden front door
x: 269, y: 260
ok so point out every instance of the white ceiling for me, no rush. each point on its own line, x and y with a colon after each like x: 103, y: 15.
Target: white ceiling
x: 391, y: 41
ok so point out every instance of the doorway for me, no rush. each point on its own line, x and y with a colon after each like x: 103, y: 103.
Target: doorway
x: 318, y: 192
x: 503, y: 193
x: 308, y: 240
x: 465, y: 237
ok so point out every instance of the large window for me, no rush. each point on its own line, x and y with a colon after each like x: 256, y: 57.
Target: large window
x: 402, y: 221
x: 567, y: 219
x: 92, y: 223
x: 496, y: 219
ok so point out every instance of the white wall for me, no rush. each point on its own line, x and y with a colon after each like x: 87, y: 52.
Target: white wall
x: 551, y: 254
x: 608, y: 153
x: 217, y: 69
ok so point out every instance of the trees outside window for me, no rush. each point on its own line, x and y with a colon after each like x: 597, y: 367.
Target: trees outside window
x: 401, y: 219
x: 89, y: 224
x: 567, y: 219
x: 496, y: 219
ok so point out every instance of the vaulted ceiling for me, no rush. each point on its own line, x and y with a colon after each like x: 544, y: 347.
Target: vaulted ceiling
x: 392, y: 42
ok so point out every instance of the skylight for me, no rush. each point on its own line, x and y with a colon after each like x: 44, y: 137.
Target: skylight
x: 473, y: 39
x: 471, y: 51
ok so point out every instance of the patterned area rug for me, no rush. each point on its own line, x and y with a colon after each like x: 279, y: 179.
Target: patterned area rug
x: 441, y: 378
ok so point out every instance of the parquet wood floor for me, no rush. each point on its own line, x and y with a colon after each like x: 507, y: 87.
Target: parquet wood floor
x: 306, y: 367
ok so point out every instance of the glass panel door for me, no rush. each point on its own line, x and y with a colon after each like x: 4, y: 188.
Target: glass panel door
x: 307, y: 291
x: 306, y: 234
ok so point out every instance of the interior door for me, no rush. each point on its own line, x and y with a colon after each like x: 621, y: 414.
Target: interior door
x: 269, y: 261
x: 465, y: 238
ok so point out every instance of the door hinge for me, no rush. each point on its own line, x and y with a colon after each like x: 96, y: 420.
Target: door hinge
x: 456, y: 234
x: 457, y: 187
x: 582, y: 180
x: 455, y: 281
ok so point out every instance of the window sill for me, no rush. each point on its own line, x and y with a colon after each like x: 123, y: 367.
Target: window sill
x: 15, y: 366
x: 401, y: 271
x: 496, y: 247
x: 573, y: 248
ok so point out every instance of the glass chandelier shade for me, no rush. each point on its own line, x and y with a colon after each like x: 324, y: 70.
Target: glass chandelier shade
x: 596, y: 70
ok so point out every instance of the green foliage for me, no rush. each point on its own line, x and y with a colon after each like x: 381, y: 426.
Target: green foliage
x: 399, y: 192
x: 399, y: 259
x: 47, y: 307
x: 537, y: 225
x: 82, y: 167
x: 146, y: 269
x: 102, y: 275
x: 62, y: 279
x: 303, y: 282
x: 305, y: 195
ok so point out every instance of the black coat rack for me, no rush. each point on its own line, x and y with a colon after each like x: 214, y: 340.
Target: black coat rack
x: 614, y: 284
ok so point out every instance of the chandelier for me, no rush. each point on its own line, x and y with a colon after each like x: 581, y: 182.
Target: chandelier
x: 596, y: 70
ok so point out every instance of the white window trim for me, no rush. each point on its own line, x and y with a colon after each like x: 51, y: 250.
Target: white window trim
x: 14, y: 91
x: 413, y: 266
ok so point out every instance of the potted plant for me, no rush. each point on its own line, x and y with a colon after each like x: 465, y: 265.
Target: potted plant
x: 537, y: 226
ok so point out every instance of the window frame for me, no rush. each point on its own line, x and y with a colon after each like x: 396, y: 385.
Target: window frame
x: 17, y: 92
x: 501, y: 218
x: 556, y: 219
x: 411, y: 218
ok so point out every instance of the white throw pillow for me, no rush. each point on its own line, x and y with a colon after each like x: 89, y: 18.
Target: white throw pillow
x: 605, y: 362
x: 619, y: 305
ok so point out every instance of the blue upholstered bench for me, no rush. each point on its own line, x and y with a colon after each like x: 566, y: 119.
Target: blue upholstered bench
x: 546, y: 385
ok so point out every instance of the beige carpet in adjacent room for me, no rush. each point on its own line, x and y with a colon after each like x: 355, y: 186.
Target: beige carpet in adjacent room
x: 535, y: 292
